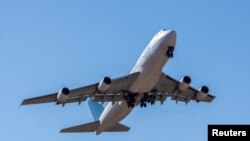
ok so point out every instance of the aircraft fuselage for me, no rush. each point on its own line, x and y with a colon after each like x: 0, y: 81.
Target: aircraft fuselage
x: 150, y: 65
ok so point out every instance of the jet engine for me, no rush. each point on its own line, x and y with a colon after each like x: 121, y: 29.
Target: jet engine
x: 63, y: 95
x: 104, y: 84
x: 202, y: 93
x: 184, y: 83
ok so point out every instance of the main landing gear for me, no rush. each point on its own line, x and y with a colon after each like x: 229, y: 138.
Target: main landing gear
x: 170, y: 52
x: 147, y: 99
x: 131, y: 99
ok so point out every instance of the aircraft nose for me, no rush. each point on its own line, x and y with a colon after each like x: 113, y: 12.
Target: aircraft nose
x: 171, y: 38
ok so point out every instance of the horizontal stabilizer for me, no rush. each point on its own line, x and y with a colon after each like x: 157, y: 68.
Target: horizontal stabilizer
x: 92, y: 127
x: 118, y: 128
x: 89, y: 127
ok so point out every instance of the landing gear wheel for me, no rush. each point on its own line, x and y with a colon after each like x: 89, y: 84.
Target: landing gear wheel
x: 130, y: 99
x: 171, y: 55
x: 170, y: 52
x: 128, y: 104
x: 132, y: 105
x: 141, y: 105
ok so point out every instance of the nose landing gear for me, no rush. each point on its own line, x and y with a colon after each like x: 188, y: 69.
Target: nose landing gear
x: 170, y: 52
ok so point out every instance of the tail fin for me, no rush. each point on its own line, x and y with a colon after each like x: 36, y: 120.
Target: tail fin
x: 95, y: 108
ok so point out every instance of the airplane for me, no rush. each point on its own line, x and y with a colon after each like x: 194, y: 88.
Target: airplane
x: 145, y: 84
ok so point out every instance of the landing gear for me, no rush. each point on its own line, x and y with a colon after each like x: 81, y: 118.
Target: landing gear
x: 147, y: 99
x: 151, y: 99
x: 130, y: 98
x: 170, y: 52
x: 131, y: 105
x: 144, y: 100
x: 143, y: 104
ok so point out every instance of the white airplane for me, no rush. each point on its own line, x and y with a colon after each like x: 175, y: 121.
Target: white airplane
x: 146, y: 83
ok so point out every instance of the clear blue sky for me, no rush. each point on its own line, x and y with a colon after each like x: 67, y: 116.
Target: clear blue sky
x: 45, y: 45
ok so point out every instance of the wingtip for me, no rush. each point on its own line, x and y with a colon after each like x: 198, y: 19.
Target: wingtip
x: 19, y: 106
x: 212, y: 96
x: 64, y: 130
x: 23, y: 103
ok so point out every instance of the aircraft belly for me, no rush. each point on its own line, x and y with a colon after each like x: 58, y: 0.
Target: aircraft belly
x: 150, y: 69
x: 145, y: 83
x: 150, y: 74
x: 119, y: 110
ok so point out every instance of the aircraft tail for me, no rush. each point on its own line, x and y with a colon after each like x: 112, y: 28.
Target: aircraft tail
x: 88, y: 127
x: 93, y: 126
x: 96, y: 109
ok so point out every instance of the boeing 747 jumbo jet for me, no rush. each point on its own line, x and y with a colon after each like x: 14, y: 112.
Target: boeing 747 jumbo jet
x: 145, y: 84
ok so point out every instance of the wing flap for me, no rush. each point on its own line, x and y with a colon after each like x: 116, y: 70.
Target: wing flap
x: 78, y: 99
x: 108, y: 97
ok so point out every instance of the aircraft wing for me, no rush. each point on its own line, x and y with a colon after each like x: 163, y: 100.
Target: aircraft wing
x: 165, y: 87
x: 82, y: 93
x: 168, y: 87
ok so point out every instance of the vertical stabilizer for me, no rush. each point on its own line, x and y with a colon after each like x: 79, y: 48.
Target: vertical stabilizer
x: 96, y: 108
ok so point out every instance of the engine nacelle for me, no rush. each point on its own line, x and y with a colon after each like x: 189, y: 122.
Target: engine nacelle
x: 104, y: 84
x: 63, y: 95
x: 202, y: 93
x: 184, y: 83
